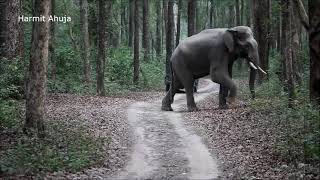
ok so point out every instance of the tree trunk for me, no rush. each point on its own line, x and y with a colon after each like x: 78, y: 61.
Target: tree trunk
x: 191, y: 16
x: 52, y: 44
x: 101, y: 47
x: 242, y: 13
x: 261, y: 27
x: 158, y: 28
x: 165, y: 18
x: 36, y: 87
x: 286, y: 54
x: 11, y: 30
x: 131, y: 22
x: 197, y: 17
x: 295, y: 26
x: 231, y: 16
x: 123, y: 23
x: 211, y: 23
x: 146, y: 32
x: 314, y: 45
x: 169, y: 40
x: 85, y: 46
x: 237, y: 13
x: 136, y: 63
x: 178, y: 22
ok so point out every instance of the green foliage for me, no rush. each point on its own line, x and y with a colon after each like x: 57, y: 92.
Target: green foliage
x: 119, y: 72
x: 11, y: 79
x: 64, y: 148
x: 300, y: 135
x: 120, y: 66
x: 11, y: 89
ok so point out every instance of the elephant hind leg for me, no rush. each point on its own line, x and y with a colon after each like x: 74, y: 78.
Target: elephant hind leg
x: 173, y: 89
x: 187, y: 81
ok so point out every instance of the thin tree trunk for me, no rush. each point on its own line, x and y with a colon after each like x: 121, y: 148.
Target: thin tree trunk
x: 136, y: 63
x: 158, y: 28
x: 131, y: 22
x: 231, y: 16
x: 36, y: 87
x: 52, y: 57
x: 314, y: 45
x: 261, y: 27
x: 191, y: 16
x: 295, y: 26
x: 286, y: 53
x: 211, y: 23
x: 237, y: 13
x: 123, y: 23
x: 178, y: 22
x: 165, y: 18
x: 146, y: 32
x: 169, y: 41
x: 11, y: 32
x: 242, y: 13
x: 85, y: 46
x: 101, y: 47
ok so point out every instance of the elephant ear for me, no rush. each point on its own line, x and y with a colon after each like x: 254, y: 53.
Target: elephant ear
x: 228, y: 38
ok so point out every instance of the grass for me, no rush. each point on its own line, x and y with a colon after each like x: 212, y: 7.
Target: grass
x: 63, y: 149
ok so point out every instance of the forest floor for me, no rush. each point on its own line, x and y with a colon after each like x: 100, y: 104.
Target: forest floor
x: 144, y: 142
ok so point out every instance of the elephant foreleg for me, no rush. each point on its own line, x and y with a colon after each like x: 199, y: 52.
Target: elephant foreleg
x: 223, y: 93
x: 226, y: 84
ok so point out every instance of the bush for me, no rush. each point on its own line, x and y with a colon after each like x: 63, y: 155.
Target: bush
x: 64, y: 148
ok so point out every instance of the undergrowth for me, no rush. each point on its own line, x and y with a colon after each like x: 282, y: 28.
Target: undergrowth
x: 63, y: 149
x: 299, y: 126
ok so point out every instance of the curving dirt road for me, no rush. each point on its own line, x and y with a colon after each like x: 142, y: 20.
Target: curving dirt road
x: 164, y: 147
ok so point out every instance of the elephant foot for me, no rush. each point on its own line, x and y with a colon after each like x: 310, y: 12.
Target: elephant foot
x: 223, y: 106
x: 192, y: 108
x: 231, y: 100
x: 166, y: 108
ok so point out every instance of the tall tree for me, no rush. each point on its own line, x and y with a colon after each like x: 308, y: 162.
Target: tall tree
x: 191, y: 17
x: 146, y: 31
x: 231, y: 16
x: 158, y: 43
x: 286, y: 53
x: 101, y: 47
x: 178, y: 22
x: 261, y: 32
x: 52, y: 44
x: 169, y: 42
x: 36, y: 86
x: 85, y: 46
x: 314, y: 45
x: 131, y: 22
x: 165, y: 19
x: 211, y: 19
x: 136, y: 63
x: 11, y: 32
x: 238, y: 13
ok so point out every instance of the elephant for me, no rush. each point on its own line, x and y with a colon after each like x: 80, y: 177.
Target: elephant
x: 212, y: 52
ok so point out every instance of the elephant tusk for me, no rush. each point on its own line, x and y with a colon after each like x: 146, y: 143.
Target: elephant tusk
x: 262, y: 70
x: 253, y: 66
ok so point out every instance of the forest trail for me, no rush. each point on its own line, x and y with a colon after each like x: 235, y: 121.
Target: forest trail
x: 164, y: 146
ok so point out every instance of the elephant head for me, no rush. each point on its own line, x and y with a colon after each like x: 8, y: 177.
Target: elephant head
x: 240, y: 41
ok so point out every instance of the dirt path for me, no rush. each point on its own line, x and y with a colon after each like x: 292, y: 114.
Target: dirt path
x: 164, y: 147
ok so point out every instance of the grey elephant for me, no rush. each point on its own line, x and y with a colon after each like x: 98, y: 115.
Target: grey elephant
x: 212, y: 51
